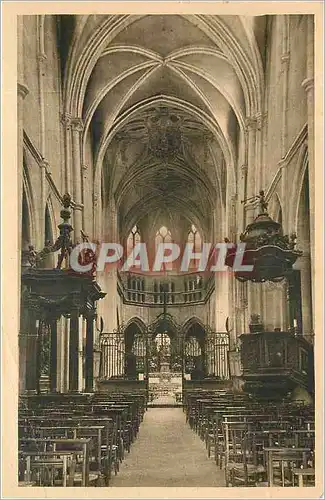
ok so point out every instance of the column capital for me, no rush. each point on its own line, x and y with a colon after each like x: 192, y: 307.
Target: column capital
x: 41, y: 58
x: 77, y: 124
x: 90, y: 314
x: 75, y: 309
x: 255, y: 122
x: 78, y: 206
x: 308, y: 84
x: 66, y: 120
x: 22, y: 90
x: 250, y: 123
x: 259, y: 120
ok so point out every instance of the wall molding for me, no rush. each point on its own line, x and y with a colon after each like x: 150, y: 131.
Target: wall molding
x: 42, y: 163
x: 295, y: 147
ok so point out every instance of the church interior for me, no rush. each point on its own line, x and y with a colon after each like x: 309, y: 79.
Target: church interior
x: 162, y: 129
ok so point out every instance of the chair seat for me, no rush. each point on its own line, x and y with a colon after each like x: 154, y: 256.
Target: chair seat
x: 251, y: 468
x: 304, y: 472
x: 93, y: 476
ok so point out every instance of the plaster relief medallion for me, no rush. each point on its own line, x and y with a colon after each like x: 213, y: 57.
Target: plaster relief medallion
x: 164, y: 134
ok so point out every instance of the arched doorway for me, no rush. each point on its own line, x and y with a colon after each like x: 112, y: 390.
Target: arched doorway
x: 194, y: 352
x: 136, y: 362
x: 165, y: 360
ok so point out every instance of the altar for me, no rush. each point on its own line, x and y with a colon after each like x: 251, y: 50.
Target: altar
x: 164, y: 382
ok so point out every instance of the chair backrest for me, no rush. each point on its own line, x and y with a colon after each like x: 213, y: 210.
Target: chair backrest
x: 281, y: 462
x: 47, y: 468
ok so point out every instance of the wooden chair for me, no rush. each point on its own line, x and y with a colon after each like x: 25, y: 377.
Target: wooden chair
x: 80, y: 448
x: 305, y: 477
x: 282, y: 461
x: 47, y: 468
x: 242, y: 466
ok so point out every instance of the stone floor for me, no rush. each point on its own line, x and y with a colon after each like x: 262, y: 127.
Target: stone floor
x: 167, y: 453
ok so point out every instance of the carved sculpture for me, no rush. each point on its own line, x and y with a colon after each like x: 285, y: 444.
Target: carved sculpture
x: 262, y: 203
x: 63, y: 242
x: 267, y: 249
x: 164, y: 134
x: 31, y: 256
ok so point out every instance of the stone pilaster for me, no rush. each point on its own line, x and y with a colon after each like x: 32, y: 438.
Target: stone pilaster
x: 76, y: 131
x: 308, y: 85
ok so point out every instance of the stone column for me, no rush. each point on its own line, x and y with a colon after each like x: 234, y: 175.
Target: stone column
x: 82, y: 337
x: 89, y: 354
x: 31, y: 345
x: 254, y: 162
x: 308, y: 85
x: 304, y: 265
x: 22, y: 342
x: 53, y: 355
x: 258, y: 152
x: 285, y: 63
x: 107, y: 279
x: 22, y: 92
x: 242, y: 196
x: 77, y: 128
x: 66, y: 122
x: 41, y: 70
x: 251, y: 124
x: 74, y: 351
x: 251, y: 191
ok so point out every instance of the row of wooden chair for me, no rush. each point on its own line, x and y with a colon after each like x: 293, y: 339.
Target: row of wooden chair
x: 255, y: 442
x: 76, y: 440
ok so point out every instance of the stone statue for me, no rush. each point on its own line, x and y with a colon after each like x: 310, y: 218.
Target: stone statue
x: 262, y: 203
x: 164, y: 353
x: 32, y: 256
x: 63, y: 242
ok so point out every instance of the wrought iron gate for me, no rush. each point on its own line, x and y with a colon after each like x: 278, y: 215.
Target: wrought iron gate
x: 217, y: 347
x: 118, y: 360
x: 194, y: 359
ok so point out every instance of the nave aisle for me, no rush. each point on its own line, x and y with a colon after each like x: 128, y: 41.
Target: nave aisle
x: 167, y: 453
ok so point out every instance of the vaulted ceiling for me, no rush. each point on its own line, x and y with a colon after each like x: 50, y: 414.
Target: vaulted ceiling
x: 164, y: 99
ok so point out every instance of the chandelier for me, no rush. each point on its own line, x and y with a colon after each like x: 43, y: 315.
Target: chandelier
x: 270, y: 253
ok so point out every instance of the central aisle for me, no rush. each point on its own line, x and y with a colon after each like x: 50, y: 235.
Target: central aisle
x: 167, y: 453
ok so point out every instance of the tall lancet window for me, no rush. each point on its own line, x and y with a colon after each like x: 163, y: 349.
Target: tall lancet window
x: 133, y: 238
x: 164, y: 236
x: 195, y: 239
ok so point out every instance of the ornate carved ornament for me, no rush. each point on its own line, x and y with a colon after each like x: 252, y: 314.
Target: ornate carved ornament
x: 32, y: 258
x: 267, y: 250
x: 164, y: 134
